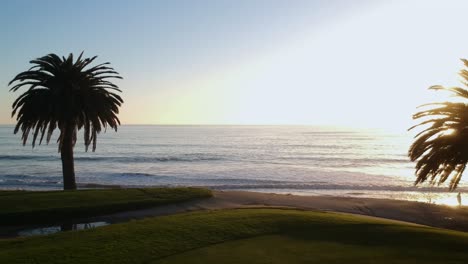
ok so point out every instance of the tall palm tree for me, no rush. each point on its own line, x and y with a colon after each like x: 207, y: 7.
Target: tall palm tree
x: 441, y: 148
x: 68, y: 95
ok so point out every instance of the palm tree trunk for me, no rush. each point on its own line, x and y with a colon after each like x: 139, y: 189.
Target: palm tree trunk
x: 68, y: 163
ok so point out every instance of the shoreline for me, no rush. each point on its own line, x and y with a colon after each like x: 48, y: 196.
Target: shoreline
x: 440, y: 216
x: 438, y: 196
x: 423, y: 194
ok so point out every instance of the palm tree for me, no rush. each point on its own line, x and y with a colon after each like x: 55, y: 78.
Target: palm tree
x: 68, y: 95
x: 441, y: 148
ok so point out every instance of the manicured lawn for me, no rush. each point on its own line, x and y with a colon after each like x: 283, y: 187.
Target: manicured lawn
x: 290, y: 249
x: 27, y: 207
x: 245, y: 236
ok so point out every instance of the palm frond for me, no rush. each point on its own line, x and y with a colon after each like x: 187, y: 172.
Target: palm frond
x: 440, y: 149
x: 64, y: 91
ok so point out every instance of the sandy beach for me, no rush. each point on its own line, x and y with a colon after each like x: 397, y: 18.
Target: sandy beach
x: 449, y: 217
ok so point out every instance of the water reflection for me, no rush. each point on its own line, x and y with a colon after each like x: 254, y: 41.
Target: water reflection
x: 450, y: 199
x: 432, y: 197
x: 60, y: 228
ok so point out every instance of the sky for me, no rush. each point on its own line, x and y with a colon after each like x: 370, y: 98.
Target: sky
x: 354, y: 63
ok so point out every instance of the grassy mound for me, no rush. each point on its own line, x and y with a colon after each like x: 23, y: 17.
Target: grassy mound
x: 279, y: 249
x: 27, y: 207
x: 245, y: 236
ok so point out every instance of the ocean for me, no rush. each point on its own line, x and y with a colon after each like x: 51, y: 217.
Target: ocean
x: 304, y: 160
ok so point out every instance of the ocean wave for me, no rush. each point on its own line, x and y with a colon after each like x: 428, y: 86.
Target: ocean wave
x: 119, y: 159
x: 28, y: 157
x: 148, y: 179
x: 205, y: 157
x: 138, y: 174
x: 151, y: 159
x: 252, y: 181
x: 28, y: 177
x: 4, y: 183
x: 346, y: 161
x: 29, y: 180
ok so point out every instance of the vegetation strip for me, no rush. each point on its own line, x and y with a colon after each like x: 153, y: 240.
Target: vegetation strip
x: 170, y: 239
x: 28, y: 207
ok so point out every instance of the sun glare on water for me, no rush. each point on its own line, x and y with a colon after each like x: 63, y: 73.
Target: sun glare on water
x: 449, y: 199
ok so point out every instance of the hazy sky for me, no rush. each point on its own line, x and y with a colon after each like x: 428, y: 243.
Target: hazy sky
x: 351, y: 63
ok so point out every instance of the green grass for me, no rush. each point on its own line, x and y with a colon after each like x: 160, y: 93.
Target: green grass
x: 28, y: 207
x: 288, y: 249
x: 245, y: 236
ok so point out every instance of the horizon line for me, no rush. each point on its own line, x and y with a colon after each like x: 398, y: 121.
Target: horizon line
x: 337, y: 126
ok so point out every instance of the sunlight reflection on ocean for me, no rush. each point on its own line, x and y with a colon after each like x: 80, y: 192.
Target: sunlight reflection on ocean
x: 283, y: 159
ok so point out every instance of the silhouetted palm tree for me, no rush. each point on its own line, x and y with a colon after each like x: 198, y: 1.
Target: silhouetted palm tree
x: 67, y: 95
x: 441, y: 148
